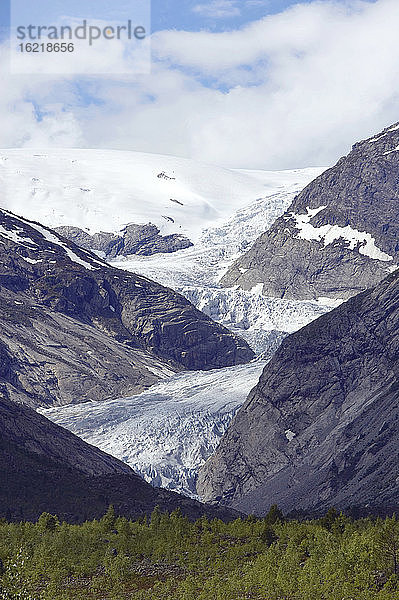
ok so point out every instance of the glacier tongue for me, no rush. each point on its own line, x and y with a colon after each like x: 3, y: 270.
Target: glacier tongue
x: 167, y: 432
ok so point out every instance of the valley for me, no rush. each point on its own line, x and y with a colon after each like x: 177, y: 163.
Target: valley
x: 199, y: 301
x: 167, y: 433
x: 199, y: 369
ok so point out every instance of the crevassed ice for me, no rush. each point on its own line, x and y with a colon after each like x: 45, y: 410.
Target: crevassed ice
x: 167, y: 432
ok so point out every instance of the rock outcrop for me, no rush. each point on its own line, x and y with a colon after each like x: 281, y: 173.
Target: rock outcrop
x: 321, y: 427
x: 340, y: 235
x: 144, y: 240
x: 75, y: 329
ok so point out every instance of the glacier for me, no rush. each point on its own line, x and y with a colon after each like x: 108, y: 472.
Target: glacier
x: 168, y: 432
x: 194, y: 272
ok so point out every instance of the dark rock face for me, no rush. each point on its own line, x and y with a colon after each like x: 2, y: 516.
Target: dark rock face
x: 144, y: 240
x: 321, y: 427
x: 33, y: 433
x: 47, y: 357
x: 74, y: 329
x: 320, y: 247
x: 46, y: 468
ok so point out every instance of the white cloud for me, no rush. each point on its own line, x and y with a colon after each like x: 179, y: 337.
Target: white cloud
x: 20, y: 122
x: 293, y: 89
x: 218, y: 9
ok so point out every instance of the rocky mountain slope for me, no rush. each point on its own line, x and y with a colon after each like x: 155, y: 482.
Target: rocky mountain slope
x: 75, y: 329
x: 340, y: 235
x: 321, y: 427
x: 46, y: 468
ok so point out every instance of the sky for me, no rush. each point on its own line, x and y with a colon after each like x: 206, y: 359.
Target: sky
x: 256, y: 84
x: 189, y: 15
x: 219, y: 15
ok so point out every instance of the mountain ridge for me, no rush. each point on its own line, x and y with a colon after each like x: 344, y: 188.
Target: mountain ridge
x: 339, y: 236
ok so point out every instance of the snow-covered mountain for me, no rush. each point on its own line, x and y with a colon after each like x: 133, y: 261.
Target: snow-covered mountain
x: 104, y: 190
x: 166, y: 433
x: 223, y: 211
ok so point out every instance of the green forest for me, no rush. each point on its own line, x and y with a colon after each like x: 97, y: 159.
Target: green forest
x: 168, y: 557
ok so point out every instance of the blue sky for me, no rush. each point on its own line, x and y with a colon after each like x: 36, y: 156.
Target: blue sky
x: 190, y: 15
x: 187, y: 14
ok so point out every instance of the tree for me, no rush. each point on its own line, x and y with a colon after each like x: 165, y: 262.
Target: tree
x: 155, y: 518
x: 268, y: 536
x: 387, y: 544
x: 107, y: 522
x: 274, y: 515
x: 329, y: 518
x: 48, y: 522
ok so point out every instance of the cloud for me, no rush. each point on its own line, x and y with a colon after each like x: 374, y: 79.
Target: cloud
x: 315, y: 78
x: 29, y: 116
x: 218, y: 9
x: 293, y: 89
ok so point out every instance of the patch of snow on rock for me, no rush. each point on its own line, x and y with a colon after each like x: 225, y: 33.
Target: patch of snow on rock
x: 290, y: 435
x: 330, y: 233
